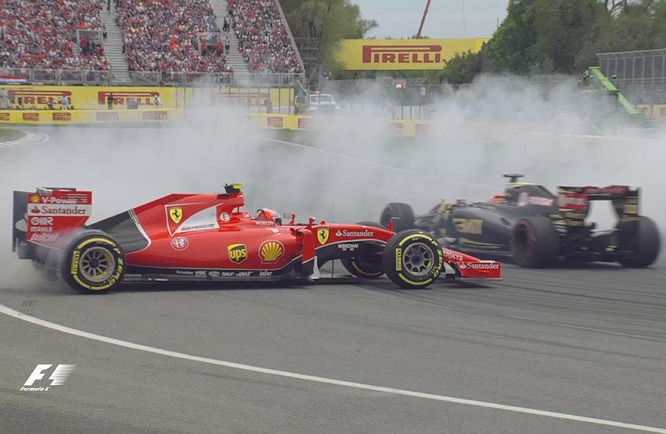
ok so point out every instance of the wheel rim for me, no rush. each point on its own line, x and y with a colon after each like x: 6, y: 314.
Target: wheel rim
x: 97, y: 264
x: 418, y: 259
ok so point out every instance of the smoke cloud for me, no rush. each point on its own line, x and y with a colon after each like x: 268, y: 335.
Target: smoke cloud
x: 350, y: 171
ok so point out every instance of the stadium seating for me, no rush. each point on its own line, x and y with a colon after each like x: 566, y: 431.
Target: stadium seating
x: 170, y: 36
x: 262, y: 36
x: 158, y: 35
x: 43, y: 34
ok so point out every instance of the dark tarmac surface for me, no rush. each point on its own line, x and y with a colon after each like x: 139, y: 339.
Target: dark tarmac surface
x: 588, y: 342
x: 542, y: 351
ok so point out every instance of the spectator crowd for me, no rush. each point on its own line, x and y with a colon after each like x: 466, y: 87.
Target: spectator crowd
x: 158, y: 35
x: 263, y: 39
x: 43, y: 34
x: 171, y: 36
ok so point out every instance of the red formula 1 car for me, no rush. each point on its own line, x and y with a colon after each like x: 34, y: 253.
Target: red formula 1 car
x: 203, y: 237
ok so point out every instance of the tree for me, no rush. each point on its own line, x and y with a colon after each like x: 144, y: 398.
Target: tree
x: 542, y: 35
x: 329, y: 21
x: 462, y: 68
x: 508, y: 48
x: 537, y: 36
x: 628, y: 26
x: 562, y: 27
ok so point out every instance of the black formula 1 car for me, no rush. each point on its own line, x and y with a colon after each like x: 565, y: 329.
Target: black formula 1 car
x: 536, y: 228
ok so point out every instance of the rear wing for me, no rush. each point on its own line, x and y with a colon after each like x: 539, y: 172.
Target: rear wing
x: 41, y: 217
x: 574, y: 202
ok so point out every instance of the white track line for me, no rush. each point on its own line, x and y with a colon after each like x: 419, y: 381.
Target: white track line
x: 87, y: 335
x: 29, y: 139
x: 369, y: 163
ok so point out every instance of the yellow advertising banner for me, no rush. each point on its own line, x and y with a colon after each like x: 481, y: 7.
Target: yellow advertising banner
x: 73, y: 117
x: 29, y: 97
x: 92, y: 98
x: 656, y: 111
x: 403, y: 54
x: 252, y: 98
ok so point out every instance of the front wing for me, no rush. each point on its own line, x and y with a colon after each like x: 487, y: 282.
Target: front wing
x: 464, y: 266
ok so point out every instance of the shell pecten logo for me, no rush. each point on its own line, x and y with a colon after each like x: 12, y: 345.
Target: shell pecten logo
x: 271, y: 251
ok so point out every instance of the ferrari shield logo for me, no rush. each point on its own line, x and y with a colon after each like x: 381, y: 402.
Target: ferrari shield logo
x: 176, y: 214
x: 322, y: 235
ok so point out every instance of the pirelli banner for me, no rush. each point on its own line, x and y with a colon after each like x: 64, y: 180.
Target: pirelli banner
x: 403, y: 54
x: 27, y: 97
x: 93, y: 98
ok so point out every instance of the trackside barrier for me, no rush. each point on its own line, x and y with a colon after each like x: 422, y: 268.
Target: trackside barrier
x: 74, y: 117
x: 405, y: 127
x: 27, y: 97
x: 654, y: 111
x: 518, y: 134
x: 546, y: 136
x: 397, y: 127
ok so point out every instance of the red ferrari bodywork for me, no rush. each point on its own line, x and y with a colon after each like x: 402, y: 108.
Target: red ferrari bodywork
x: 209, y: 236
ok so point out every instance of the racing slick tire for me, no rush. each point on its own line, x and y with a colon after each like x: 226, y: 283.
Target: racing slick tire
x: 402, y: 213
x: 365, y: 262
x: 93, y: 262
x: 534, y: 242
x: 644, y: 247
x: 413, y: 259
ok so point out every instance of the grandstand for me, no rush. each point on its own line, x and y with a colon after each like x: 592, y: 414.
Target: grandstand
x: 47, y: 36
x: 148, y: 42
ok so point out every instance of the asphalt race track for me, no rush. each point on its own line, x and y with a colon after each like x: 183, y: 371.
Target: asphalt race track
x: 548, y: 351
x: 542, y: 351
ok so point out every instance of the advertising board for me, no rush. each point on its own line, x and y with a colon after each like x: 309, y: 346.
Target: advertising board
x: 403, y: 54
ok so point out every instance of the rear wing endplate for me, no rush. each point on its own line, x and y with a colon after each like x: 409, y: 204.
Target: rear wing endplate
x: 573, y: 202
x: 42, y: 216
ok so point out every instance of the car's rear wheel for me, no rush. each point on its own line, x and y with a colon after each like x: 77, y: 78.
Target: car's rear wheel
x: 413, y: 259
x: 644, y: 246
x: 402, y: 215
x: 94, y: 262
x: 534, y: 242
x: 366, y: 261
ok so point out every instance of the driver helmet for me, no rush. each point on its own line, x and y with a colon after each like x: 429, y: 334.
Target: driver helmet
x: 270, y: 215
x: 499, y: 197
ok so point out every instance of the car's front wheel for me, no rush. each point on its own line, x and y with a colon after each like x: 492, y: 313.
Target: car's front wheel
x: 413, y: 259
